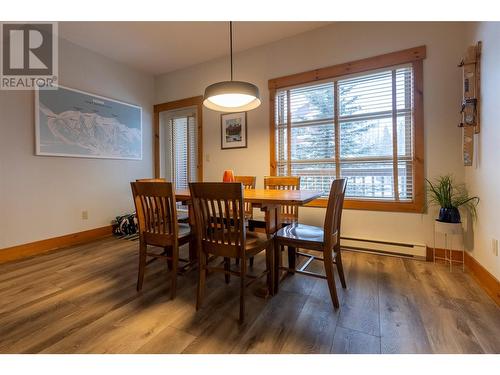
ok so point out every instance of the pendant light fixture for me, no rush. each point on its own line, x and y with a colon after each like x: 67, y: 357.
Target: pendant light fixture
x: 231, y: 96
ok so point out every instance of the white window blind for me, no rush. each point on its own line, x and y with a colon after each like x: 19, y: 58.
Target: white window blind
x: 358, y: 127
x: 182, y: 150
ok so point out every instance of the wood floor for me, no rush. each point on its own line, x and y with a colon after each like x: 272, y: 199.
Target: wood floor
x: 83, y: 300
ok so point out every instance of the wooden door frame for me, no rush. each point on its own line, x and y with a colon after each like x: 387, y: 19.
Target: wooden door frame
x: 195, y: 101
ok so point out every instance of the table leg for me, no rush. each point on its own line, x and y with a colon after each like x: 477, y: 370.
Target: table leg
x: 273, y: 223
x: 193, y: 253
x: 193, y: 243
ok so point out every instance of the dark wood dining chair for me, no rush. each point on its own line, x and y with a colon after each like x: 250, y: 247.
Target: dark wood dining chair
x: 289, y: 213
x: 220, y: 228
x: 157, y: 217
x: 182, y: 214
x: 248, y: 182
x: 325, y: 240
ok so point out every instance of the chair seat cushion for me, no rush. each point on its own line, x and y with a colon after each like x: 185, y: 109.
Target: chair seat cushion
x: 301, y: 233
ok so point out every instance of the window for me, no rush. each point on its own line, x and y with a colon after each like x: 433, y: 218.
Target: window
x: 357, y: 126
x: 181, y: 150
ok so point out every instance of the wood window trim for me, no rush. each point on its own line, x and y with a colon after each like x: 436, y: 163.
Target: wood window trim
x: 413, y: 56
x: 195, y: 101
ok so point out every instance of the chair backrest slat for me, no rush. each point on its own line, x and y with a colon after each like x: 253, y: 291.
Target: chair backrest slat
x: 334, y: 213
x: 219, y: 214
x: 284, y: 183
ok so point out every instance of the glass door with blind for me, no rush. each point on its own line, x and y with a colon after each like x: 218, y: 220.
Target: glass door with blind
x: 179, y: 147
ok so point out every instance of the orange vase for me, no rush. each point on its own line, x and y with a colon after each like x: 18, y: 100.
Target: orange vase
x: 228, y: 176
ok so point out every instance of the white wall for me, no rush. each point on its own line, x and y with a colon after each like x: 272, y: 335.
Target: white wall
x: 334, y: 44
x: 42, y: 197
x: 483, y: 179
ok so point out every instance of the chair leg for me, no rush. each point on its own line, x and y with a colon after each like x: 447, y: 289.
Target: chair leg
x: 168, y: 251
x: 277, y: 265
x: 174, y: 268
x: 328, y: 261
x: 270, y: 268
x: 201, y: 279
x: 243, y: 267
x: 340, y: 268
x: 142, y: 265
x: 227, y: 267
x: 193, y: 248
x: 292, y: 257
x: 251, y: 262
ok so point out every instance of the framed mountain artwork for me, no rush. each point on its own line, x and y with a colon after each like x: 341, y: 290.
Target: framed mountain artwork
x: 74, y: 123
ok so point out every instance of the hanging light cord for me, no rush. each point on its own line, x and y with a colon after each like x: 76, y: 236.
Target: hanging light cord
x: 231, y: 46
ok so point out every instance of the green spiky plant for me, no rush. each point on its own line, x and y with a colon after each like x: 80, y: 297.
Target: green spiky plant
x: 445, y: 193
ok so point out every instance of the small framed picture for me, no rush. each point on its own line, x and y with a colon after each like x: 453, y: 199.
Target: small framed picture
x: 233, y: 127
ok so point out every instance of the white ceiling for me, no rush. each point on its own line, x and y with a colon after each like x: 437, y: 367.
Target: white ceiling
x: 162, y: 47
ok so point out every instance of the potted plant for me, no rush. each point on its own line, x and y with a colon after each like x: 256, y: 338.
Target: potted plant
x: 450, y: 197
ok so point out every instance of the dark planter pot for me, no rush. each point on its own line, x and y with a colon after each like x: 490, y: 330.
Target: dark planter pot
x: 449, y: 215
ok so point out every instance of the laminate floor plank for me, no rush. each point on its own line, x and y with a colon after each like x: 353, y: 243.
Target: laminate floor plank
x: 360, y: 307
x: 82, y: 299
x: 72, y: 309
x: 447, y: 329
x: 484, y: 322
x: 58, y: 280
x: 271, y: 329
x: 73, y: 287
x: 168, y: 341
x: 70, y: 255
x: 314, y: 329
x: 222, y: 332
x: 89, y: 333
x: 401, y: 326
x: 349, y: 341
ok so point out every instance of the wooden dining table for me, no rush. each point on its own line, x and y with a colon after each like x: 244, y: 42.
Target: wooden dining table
x: 269, y: 201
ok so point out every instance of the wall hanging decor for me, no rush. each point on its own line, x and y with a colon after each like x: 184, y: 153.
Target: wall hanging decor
x: 75, y: 123
x: 470, y: 124
x: 233, y: 128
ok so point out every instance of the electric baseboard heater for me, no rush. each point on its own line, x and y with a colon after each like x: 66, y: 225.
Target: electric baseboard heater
x: 385, y: 247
